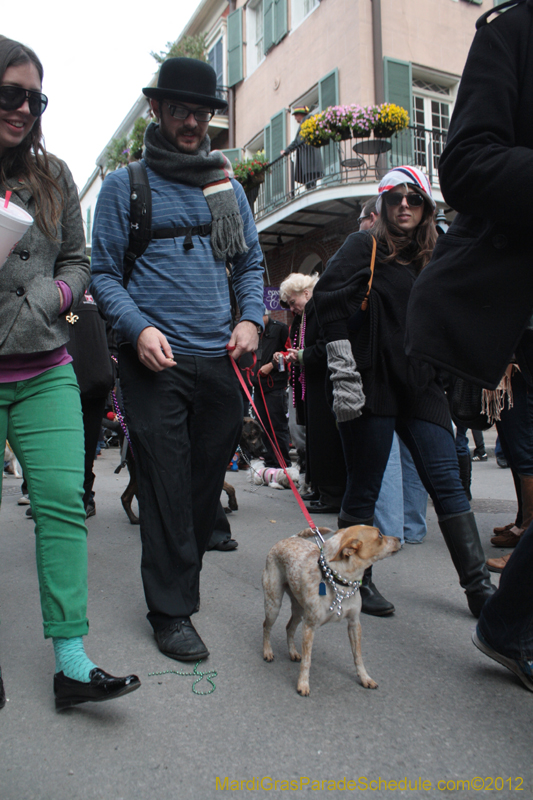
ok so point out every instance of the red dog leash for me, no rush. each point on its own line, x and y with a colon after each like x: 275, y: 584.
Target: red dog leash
x: 274, y: 443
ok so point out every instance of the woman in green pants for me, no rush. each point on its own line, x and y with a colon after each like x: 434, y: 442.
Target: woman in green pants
x: 40, y: 412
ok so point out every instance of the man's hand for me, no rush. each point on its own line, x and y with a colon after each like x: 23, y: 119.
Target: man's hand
x: 154, y: 350
x: 244, y: 339
x: 266, y: 369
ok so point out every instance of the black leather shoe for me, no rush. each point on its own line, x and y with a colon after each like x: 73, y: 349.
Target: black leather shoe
x: 372, y: 601
x: 102, y: 686
x: 181, y: 641
x: 322, y: 508
x: 2, y: 692
x: 310, y: 496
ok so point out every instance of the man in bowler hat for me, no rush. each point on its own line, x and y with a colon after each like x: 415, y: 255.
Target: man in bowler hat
x: 182, y: 399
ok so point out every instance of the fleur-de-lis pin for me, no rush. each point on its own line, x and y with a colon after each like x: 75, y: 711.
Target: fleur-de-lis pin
x: 72, y: 318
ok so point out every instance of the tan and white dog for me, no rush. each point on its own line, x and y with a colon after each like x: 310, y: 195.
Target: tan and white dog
x: 14, y: 466
x: 292, y: 567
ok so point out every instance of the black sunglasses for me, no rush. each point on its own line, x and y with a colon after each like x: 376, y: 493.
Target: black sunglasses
x: 395, y: 198
x: 13, y: 97
x: 182, y: 113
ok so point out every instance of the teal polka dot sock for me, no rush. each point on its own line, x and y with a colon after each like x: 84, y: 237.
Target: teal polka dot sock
x: 71, y: 659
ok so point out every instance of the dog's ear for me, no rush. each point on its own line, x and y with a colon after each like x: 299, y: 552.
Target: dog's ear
x: 348, y: 548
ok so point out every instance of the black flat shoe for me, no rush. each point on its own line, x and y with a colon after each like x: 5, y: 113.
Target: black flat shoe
x: 322, y: 508
x: 102, y: 686
x: 2, y: 692
x: 181, y: 641
x: 310, y: 496
x: 226, y: 545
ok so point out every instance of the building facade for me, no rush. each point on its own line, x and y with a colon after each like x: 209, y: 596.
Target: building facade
x: 272, y: 56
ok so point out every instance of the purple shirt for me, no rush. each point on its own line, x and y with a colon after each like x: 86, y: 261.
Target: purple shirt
x: 23, y: 366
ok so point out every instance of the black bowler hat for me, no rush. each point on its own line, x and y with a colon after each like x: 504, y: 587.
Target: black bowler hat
x: 186, y: 79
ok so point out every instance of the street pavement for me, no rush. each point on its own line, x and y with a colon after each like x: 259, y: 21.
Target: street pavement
x: 442, y: 712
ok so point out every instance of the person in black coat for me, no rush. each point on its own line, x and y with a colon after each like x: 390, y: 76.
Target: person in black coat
x: 478, y: 288
x: 308, y: 166
x: 377, y: 389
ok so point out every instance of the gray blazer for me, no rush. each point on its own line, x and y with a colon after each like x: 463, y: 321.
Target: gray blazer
x: 29, y: 300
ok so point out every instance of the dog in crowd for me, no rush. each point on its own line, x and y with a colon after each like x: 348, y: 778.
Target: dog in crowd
x: 292, y: 567
x: 272, y: 476
x: 251, y: 445
x: 10, y: 458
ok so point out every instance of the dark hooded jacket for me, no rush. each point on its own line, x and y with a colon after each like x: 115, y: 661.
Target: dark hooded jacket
x: 470, y: 309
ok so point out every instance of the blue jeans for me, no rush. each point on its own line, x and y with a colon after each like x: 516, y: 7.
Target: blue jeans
x: 402, y: 503
x: 388, y: 514
x: 515, y: 428
x: 506, y: 621
x: 367, y: 442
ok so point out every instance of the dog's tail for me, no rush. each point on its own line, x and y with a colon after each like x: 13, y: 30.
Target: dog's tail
x: 307, y: 532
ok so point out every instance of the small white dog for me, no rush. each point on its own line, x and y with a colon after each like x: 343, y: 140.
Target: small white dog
x: 272, y: 476
x: 14, y: 466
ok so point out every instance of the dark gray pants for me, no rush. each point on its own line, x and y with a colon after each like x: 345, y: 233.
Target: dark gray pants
x: 185, y: 424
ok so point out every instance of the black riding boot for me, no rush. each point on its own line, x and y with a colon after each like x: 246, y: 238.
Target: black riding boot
x: 372, y: 601
x: 462, y: 540
x: 2, y: 692
x: 465, y: 473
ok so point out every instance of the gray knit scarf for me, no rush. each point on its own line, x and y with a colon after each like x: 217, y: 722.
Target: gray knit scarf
x: 207, y: 170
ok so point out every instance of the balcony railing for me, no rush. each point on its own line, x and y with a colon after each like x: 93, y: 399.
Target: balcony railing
x: 352, y: 161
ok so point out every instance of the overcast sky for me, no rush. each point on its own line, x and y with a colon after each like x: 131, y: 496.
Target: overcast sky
x: 96, y: 59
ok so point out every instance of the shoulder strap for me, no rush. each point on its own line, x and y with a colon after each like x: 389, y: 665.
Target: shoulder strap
x: 140, y: 217
x: 483, y: 20
x: 364, y: 304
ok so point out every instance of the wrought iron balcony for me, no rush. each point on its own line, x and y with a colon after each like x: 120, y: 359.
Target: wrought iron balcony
x: 351, y: 161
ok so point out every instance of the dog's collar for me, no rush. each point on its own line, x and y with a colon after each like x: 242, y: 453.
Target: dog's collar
x: 332, y: 577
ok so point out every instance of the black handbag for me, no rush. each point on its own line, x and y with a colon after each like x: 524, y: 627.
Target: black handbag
x: 466, y: 406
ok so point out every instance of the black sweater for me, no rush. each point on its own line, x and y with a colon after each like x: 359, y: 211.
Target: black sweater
x: 393, y: 384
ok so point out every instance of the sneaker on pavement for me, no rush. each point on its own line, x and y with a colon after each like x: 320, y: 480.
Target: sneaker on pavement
x: 522, y: 668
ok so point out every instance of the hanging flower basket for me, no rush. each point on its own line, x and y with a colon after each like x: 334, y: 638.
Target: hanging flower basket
x: 338, y: 123
x: 251, y: 171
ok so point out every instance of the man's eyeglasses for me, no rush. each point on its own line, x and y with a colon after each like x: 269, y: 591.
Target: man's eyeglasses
x: 182, y: 112
x: 395, y: 198
x: 13, y: 97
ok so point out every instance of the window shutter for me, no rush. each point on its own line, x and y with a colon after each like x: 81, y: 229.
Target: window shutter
x: 398, y: 78
x: 280, y: 20
x: 235, y: 72
x: 268, y: 154
x: 328, y: 95
x: 233, y: 154
x: 328, y: 90
x: 268, y: 25
x: 276, y: 179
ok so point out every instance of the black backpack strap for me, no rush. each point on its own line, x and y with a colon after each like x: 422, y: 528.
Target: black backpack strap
x: 140, y: 217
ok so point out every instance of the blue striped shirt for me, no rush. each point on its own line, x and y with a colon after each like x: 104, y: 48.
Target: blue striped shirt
x: 182, y: 293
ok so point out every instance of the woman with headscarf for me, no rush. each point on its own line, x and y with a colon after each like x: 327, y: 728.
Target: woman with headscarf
x: 377, y: 389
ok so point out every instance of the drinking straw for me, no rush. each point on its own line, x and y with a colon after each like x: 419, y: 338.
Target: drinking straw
x: 8, y: 198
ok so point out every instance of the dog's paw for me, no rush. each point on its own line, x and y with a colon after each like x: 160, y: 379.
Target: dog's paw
x: 294, y: 655
x: 303, y: 689
x: 368, y: 683
x: 268, y: 655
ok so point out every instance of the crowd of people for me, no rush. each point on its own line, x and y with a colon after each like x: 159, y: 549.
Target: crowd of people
x: 377, y: 344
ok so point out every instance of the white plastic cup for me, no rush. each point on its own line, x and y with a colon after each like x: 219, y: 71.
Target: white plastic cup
x: 14, y: 222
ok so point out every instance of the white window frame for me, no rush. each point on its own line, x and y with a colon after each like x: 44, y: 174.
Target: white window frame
x: 298, y: 16
x: 431, y: 146
x: 254, y: 15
